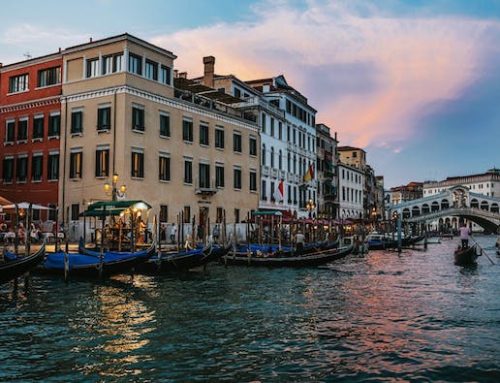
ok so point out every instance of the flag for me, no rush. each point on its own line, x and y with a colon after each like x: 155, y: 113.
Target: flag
x: 279, y: 193
x: 309, y: 174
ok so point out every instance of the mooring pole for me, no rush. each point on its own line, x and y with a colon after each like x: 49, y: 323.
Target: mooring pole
x: 399, y: 233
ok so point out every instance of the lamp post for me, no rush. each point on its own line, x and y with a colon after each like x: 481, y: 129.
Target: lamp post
x: 310, y: 206
x: 116, y: 192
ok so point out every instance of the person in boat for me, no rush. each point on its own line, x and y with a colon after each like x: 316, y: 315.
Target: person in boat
x: 21, y: 233
x: 188, y: 245
x: 464, y: 235
x: 299, y: 241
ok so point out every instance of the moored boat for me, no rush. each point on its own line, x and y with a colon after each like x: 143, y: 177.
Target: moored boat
x: 91, y: 264
x: 14, y: 266
x: 278, y: 259
x: 465, y: 256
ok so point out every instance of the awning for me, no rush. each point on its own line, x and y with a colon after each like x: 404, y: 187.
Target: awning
x: 112, y: 208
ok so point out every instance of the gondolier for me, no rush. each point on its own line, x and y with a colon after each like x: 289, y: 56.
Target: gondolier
x: 464, y: 235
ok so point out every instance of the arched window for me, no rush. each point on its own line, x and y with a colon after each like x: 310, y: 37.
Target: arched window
x: 444, y: 204
x: 485, y: 206
x: 415, y: 211
x: 494, y: 208
x: 406, y: 213
x: 263, y: 154
x: 280, y: 161
x: 474, y: 203
x: 272, y: 156
x: 289, y: 162
x: 425, y: 209
x: 435, y: 206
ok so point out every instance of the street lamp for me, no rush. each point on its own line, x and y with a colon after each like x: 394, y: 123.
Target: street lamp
x: 113, y: 189
x: 310, y: 206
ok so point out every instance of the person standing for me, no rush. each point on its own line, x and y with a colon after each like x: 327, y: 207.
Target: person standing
x: 173, y: 233
x: 464, y: 235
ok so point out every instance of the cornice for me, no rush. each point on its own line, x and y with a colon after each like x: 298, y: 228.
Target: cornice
x: 30, y: 104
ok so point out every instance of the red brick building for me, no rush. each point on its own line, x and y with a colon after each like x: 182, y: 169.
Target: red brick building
x: 30, y: 119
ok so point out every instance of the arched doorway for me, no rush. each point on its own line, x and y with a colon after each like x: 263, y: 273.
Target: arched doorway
x: 435, y: 206
x: 406, y: 213
x: 474, y: 203
x: 494, y: 208
x: 485, y: 206
x: 445, y: 204
x: 415, y: 211
x: 425, y: 209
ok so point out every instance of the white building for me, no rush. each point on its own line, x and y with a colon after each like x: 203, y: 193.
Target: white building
x: 351, y: 190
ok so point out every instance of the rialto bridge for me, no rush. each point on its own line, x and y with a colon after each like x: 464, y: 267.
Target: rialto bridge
x: 450, y: 205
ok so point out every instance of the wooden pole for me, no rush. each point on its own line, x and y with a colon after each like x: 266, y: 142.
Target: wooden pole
x: 101, y: 253
x: 29, y: 220
x: 16, y: 230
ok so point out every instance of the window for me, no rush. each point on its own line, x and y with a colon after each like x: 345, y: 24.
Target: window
x: 76, y: 122
x: 237, y: 142
x: 75, y: 212
x: 18, y: 83
x: 219, y: 176
x: 289, y: 162
x: 187, y: 214
x: 188, y: 171
x: 22, y: 130
x: 263, y: 154
x: 294, y: 137
x: 271, y: 184
x: 164, y: 125
x: 187, y: 130
x: 151, y: 70
x: 219, y: 138
x: 135, y: 64
x: 104, y: 118
x: 288, y: 133
x: 164, y: 168
x: 137, y: 119
x: 263, y: 191
x: 112, y: 63
x: 288, y: 106
x: 102, y: 162
x: 204, y: 175
x: 204, y: 135
x: 137, y: 169
x: 75, y: 165
x: 253, y: 180
x: 8, y: 170
x: 252, y: 144
x: 54, y: 125
x: 165, y: 74
x: 163, y: 213
x: 38, y: 127
x: 36, y: 168
x: 53, y: 166
x: 237, y: 178
x: 10, y: 131
x: 237, y: 93
x: 272, y: 127
x: 93, y: 67
x: 237, y: 215
x: 47, y: 77
x: 289, y: 194
x: 263, y: 122
x: 272, y: 156
x: 280, y: 130
x: 280, y: 160
x: 22, y: 169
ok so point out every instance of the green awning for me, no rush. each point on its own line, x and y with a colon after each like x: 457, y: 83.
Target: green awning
x: 112, y: 208
x: 268, y: 212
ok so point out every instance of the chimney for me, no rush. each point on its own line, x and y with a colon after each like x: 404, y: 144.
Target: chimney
x: 183, y: 75
x: 1, y: 65
x: 176, y: 73
x: 90, y: 40
x: 209, y: 68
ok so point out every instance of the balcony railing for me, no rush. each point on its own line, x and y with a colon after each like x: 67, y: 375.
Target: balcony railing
x: 205, y: 187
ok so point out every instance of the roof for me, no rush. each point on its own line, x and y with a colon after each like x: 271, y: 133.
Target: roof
x: 109, y: 208
x: 123, y: 36
x: 348, y: 148
x: 205, y: 91
x: 31, y: 61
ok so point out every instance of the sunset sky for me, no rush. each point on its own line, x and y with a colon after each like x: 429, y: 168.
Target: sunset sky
x: 415, y: 83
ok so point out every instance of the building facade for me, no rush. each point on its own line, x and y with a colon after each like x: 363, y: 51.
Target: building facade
x: 176, y: 150
x: 403, y: 193
x: 30, y: 116
x: 351, y: 191
x: 327, y: 180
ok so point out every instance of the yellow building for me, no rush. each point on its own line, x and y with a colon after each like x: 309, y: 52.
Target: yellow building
x: 351, y: 156
x: 121, y: 115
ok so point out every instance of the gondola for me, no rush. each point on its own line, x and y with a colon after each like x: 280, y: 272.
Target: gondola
x: 171, y: 261
x: 410, y: 241
x: 281, y: 260
x: 88, y: 263
x: 465, y: 257
x: 14, y: 266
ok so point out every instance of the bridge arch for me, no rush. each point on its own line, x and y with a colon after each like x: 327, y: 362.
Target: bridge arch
x: 435, y: 206
x: 415, y: 211
x: 485, y: 205
x: 474, y: 203
x: 445, y: 204
x: 494, y: 208
x: 425, y: 209
x: 406, y: 213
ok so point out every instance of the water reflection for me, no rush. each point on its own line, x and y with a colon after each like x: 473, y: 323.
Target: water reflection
x: 414, y: 316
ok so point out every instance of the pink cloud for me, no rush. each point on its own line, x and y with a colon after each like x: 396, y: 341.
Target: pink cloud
x: 414, y: 62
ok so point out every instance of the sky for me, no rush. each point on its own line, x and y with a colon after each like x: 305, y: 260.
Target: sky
x: 415, y: 83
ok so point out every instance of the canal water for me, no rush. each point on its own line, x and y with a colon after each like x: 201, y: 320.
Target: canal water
x: 376, y: 317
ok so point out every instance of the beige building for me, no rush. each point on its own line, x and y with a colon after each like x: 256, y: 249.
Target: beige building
x: 179, y: 152
x: 351, y: 156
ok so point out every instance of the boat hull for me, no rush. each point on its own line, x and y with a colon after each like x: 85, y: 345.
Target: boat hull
x: 464, y: 257
x: 303, y: 260
x: 10, y: 270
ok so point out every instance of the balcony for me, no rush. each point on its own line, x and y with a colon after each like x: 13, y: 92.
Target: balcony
x: 274, y: 173
x: 265, y: 171
x: 205, y: 187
